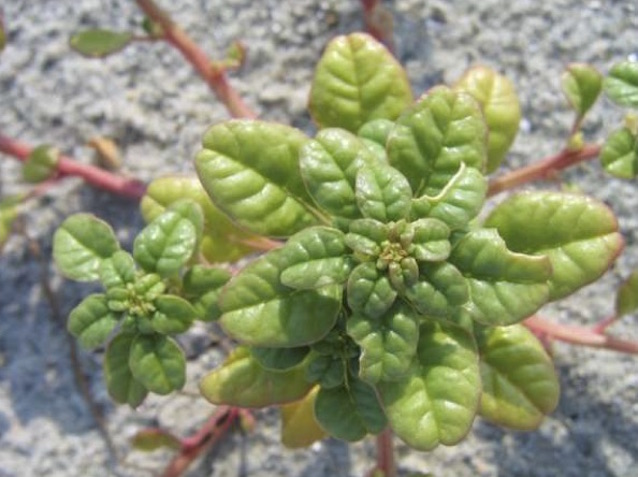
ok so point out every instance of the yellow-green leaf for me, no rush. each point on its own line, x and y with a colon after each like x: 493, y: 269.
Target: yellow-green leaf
x: 299, y: 428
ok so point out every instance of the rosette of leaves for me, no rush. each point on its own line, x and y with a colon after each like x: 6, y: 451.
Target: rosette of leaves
x: 149, y: 296
x: 390, y: 303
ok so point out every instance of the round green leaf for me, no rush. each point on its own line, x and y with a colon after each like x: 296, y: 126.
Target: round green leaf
x: 250, y: 170
x: 280, y: 359
x: 436, y: 401
x: 497, y: 96
x: 91, y: 322
x: 429, y: 240
x: 388, y: 344
x: 581, y: 85
x: 504, y: 286
x: 120, y: 383
x: 222, y: 240
x: 356, y: 80
x: 80, y: 245
x: 317, y: 258
x: 242, y: 381
x: 520, y: 385
x: 328, y: 370
x: 148, y: 440
x: 431, y: 139
x: 98, y: 42
x: 202, y: 287
x: 383, y: 193
x: 40, y: 164
x: 350, y: 412
x: 377, y: 132
x: 259, y: 310
x: 621, y: 84
x: 166, y: 244
x: 619, y: 154
x: 441, y: 288
x: 627, y: 295
x: 370, y: 291
x: 366, y: 237
x: 172, y: 315
x: 578, y: 234
x: 118, y: 270
x: 158, y: 363
x: 329, y: 165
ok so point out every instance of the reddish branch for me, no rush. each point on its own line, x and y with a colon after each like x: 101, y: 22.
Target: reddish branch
x: 378, y: 22
x: 385, y: 455
x: 214, y: 76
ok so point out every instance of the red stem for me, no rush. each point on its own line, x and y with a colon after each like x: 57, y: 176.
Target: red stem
x: 543, y: 169
x: 214, y: 76
x: 385, y: 454
x: 127, y: 187
x: 580, y: 335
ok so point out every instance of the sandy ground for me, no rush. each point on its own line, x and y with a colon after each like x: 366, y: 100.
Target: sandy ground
x: 154, y: 106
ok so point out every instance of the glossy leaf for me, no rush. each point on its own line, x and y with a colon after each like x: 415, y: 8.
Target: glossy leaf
x: 40, y: 164
x: 158, y: 363
x: 299, y: 428
x: 497, y: 96
x: 388, y: 344
x: 222, y: 240
x: 148, y: 440
x: 458, y: 203
x: 241, y: 381
x: 280, y: 359
x: 621, y: 84
x: 98, y: 42
x: 578, y: 234
x: 250, y: 170
x: 80, y: 245
x: 370, y: 291
x: 91, y: 322
x: 435, y: 403
x: 439, y: 290
x: 383, y: 193
x: 366, y: 237
x: 329, y: 165
x: 118, y: 270
x: 581, y: 85
x: 350, y: 412
x: 259, y: 310
x: 166, y: 244
x: 504, y: 286
x: 357, y: 80
x: 520, y: 386
x: 619, y: 154
x: 327, y: 370
x: 172, y: 315
x: 627, y: 295
x: 377, y: 131
x: 429, y: 240
x: 317, y: 257
x: 432, y: 138
x: 202, y: 287
x: 120, y: 383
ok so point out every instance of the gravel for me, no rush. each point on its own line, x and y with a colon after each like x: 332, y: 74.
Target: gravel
x: 156, y: 109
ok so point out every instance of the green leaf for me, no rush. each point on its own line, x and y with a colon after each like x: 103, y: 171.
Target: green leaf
x: 432, y: 138
x: 377, y: 132
x: 366, y: 237
x: 118, y: 270
x: 250, y: 170
x: 370, y: 291
x: 357, y: 80
x: 8, y: 214
x: 328, y: 370
x: 429, y: 240
x: 148, y: 440
x: 259, y: 310
x: 158, y: 363
x: 91, y: 322
x: 3, y: 36
x: 222, y: 240
x: 581, y: 85
x: 80, y: 245
x: 98, y: 43
x: 280, y: 359
x: 202, y: 287
x: 299, y: 428
x: 497, y: 96
x: 439, y: 290
x: 387, y: 344
x: 166, y: 244
x: 383, y: 193
x: 619, y: 154
x: 241, y: 381
x: 504, y: 286
x: 120, y: 383
x: 435, y: 403
x: 172, y: 315
x: 40, y: 164
x: 317, y: 257
x: 329, y: 165
x: 459, y: 202
x: 621, y: 84
x: 578, y: 234
x: 520, y: 385
x: 627, y: 295
x: 350, y: 412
